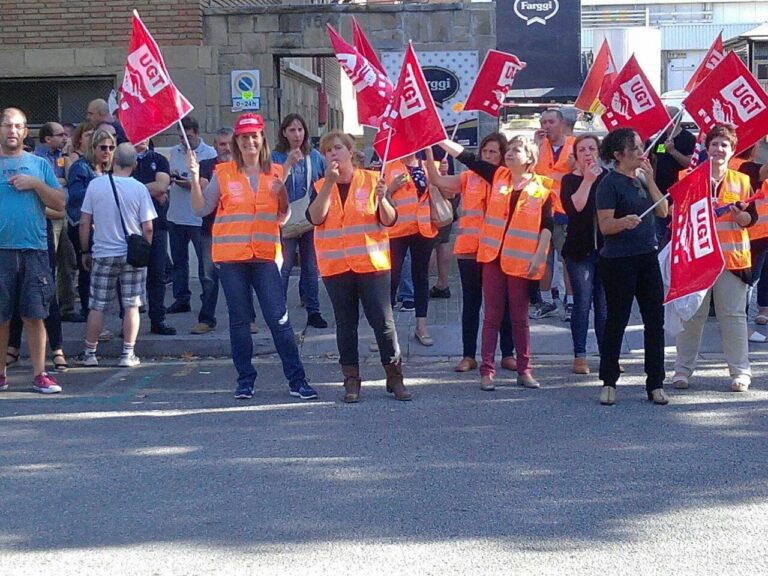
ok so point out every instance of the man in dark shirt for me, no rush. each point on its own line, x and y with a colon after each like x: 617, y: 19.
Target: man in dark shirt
x: 152, y: 170
x: 671, y: 153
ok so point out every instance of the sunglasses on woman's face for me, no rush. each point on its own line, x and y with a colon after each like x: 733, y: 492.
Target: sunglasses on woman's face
x: 107, y: 147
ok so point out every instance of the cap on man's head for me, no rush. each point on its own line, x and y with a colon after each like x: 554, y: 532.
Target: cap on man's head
x: 249, y: 122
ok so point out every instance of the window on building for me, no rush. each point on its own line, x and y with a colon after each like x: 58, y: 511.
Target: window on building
x: 48, y: 99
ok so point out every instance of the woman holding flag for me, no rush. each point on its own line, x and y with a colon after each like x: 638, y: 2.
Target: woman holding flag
x: 734, y: 213
x: 474, y: 192
x: 351, y: 212
x: 628, y: 263
x: 251, y: 204
x: 514, y: 239
x: 408, y: 191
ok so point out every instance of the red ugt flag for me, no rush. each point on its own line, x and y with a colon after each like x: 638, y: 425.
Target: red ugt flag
x: 599, y: 81
x: 712, y: 58
x: 493, y: 82
x: 697, y: 260
x: 374, y: 90
x: 411, y: 120
x: 364, y: 47
x: 731, y: 96
x: 149, y: 101
x: 633, y: 103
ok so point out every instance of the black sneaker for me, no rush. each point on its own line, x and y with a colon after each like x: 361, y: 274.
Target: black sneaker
x: 162, y: 328
x: 316, y: 320
x: 178, y: 308
x: 408, y: 306
x: 436, y: 292
x: 244, y: 393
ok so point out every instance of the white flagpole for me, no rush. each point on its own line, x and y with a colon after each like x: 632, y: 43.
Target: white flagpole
x: 386, y: 153
x: 455, y: 129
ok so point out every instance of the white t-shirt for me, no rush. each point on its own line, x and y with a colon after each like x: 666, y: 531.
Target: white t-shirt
x: 135, y: 205
x: 179, y: 204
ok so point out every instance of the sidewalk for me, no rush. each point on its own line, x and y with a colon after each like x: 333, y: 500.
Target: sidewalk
x: 550, y: 336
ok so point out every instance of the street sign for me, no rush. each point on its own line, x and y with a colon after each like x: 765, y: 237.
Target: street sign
x: 246, y: 90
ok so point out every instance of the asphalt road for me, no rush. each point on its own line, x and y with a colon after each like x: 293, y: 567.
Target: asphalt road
x: 158, y: 470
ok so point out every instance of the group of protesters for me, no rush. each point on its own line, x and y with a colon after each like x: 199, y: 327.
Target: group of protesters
x: 247, y: 209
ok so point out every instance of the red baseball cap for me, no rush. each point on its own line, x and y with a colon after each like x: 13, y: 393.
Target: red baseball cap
x: 249, y: 122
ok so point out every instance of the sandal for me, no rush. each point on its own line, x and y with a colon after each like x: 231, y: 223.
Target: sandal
x: 60, y: 366
x: 13, y: 359
x: 761, y: 319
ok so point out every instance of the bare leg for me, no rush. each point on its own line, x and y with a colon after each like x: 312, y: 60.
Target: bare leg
x: 36, y: 336
x: 94, y: 325
x: 131, y: 321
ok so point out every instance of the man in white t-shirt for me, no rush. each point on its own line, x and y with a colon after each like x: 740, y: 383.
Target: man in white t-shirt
x: 184, y: 226
x: 110, y: 251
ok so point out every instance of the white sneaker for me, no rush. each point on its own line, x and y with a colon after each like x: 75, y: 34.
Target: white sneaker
x: 740, y: 383
x: 129, y: 361
x: 758, y: 337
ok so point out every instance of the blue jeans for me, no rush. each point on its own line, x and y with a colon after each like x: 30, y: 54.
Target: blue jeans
x: 405, y: 288
x: 587, y: 290
x: 156, y: 275
x: 180, y: 235
x: 210, y: 281
x: 237, y: 279
x: 308, y: 281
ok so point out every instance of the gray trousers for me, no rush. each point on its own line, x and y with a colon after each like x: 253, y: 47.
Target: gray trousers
x: 730, y: 297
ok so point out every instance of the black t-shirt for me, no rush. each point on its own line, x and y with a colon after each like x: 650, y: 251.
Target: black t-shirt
x: 752, y: 169
x: 667, y: 168
x: 147, y: 167
x: 584, y: 237
x: 625, y: 196
x: 207, y: 168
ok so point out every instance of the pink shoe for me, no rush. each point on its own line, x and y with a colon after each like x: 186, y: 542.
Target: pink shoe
x: 45, y: 384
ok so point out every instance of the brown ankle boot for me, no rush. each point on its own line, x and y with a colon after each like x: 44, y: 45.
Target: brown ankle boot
x: 351, y: 383
x: 395, y: 381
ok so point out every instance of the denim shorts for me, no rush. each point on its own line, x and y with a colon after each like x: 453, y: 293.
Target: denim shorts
x: 26, y: 284
x: 105, y: 273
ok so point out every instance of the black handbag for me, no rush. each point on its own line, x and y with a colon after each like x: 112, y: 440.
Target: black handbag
x: 138, y: 247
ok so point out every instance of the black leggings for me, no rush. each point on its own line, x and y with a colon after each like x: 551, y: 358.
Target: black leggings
x: 421, y: 250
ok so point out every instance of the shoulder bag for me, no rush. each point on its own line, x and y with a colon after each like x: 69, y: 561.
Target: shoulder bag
x: 297, y: 223
x: 138, y: 247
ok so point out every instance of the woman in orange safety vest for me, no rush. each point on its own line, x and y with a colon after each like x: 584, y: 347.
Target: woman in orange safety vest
x: 729, y: 189
x: 251, y: 204
x: 474, y: 192
x: 351, y: 213
x: 513, y: 243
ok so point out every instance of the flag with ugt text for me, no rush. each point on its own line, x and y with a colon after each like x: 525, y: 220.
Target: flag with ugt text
x: 360, y: 41
x: 149, y: 101
x: 731, y: 95
x: 696, y: 258
x: 372, y: 86
x: 411, y: 122
x: 633, y: 103
x: 711, y: 59
x: 599, y: 80
x: 494, y: 80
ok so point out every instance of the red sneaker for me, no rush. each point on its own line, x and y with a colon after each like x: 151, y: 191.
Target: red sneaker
x: 45, y: 384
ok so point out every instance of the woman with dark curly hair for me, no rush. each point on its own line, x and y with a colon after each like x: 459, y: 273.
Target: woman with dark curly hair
x: 628, y: 263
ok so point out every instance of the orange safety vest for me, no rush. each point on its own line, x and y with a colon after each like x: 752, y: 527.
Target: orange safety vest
x: 734, y: 240
x: 413, y: 213
x: 351, y: 237
x: 546, y: 166
x: 519, y: 244
x: 735, y: 163
x: 246, y: 226
x: 760, y: 228
x: 474, y: 191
